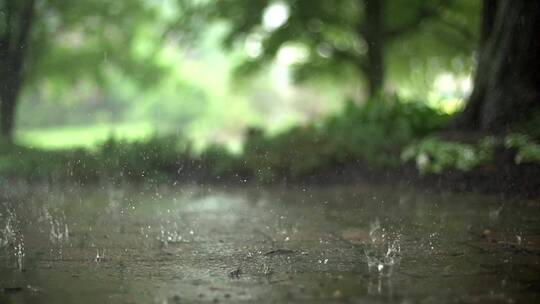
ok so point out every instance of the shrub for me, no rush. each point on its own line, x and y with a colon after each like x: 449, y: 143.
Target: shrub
x: 219, y: 162
x: 433, y: 155
x: 157, y: 157
x: 527, y: 150
x: 371, y: 135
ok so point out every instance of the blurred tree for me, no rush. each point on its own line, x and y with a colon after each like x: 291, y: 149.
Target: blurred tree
x: 67, y: 41
x: 507, y: 81
x: 337, y: 37
x: 16, y: 25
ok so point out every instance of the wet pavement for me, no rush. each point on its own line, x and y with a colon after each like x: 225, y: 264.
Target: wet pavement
x: 217, y: 244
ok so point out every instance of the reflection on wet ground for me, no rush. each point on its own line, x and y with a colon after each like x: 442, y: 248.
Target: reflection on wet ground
x: 355, y: 244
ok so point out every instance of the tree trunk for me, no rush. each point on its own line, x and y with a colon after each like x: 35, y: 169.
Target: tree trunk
x: 507, y: 82
x: 13, y: 48
x: 469, y: 118
x: 8, y: 96
x: 373, y: 33
x: 9, y: 92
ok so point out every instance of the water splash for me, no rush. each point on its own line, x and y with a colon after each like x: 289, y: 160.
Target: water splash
x: 383, y: 251
x: 19, y: 252
x: 100, y: 257
x: 59, y: 231
x: 12, y: 238
x: 7, y: 234
x: 169, y: 235
x: 383, y: 259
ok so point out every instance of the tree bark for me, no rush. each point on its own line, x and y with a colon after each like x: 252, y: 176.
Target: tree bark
x: 507, y: 82
x: 373, y: 32
x: 469, y: 118
x: 8, y: 95
x: 13, y: 48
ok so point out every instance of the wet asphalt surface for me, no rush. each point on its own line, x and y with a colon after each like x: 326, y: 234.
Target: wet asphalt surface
x: 217, y: 244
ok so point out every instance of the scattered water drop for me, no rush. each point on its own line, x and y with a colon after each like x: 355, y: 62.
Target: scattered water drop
x: 19, y: 253
x: 100, y: 257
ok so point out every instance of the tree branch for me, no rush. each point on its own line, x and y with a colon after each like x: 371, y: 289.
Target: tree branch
x: 6, y: 36
x: 26, y: 22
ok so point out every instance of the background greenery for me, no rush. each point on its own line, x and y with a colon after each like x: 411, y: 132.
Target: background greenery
x: 155, y: 89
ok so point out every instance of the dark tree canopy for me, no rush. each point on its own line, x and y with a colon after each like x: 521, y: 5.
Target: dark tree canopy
x: 345, y: 37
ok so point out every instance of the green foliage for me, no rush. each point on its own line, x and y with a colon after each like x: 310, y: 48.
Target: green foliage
x: 531, y: 125
x: 372, y: 135
x: 76, y: 40
x: 376, y: 132
x: 158, y: 157
x: 527, y: 150
x: 219, y: 162
x: 52, y: 46
x: 297, y: 152
x: 375, y: 135
x: 40, y: 165
x: 333, y: 33
x: 433, y: 155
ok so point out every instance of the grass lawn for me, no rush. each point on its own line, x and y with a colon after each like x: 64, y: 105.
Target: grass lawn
x: 88, y: 136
